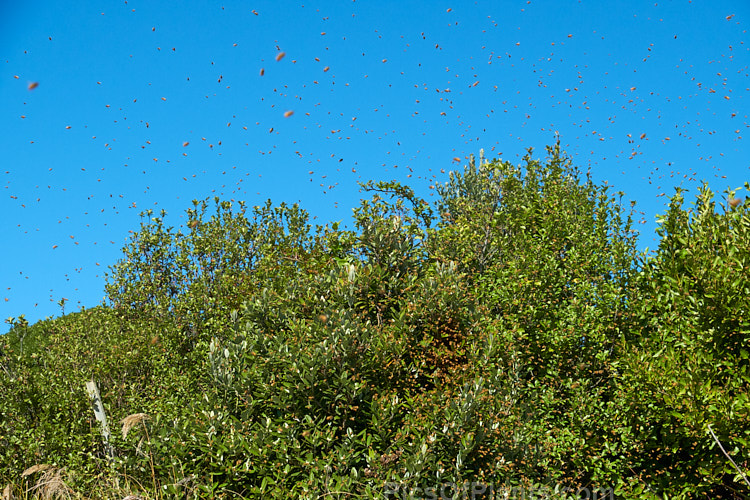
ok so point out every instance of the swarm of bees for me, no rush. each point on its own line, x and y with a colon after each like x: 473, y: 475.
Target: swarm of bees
x: 409, y: 102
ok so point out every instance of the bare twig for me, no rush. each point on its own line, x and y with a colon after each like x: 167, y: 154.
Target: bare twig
x: 727, y: 455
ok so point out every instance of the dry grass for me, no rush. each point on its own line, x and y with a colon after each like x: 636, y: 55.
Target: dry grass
x: 131, y: 421
x: 50, y: 483
x: 7, y: 493
x: 127, y: 424
x: 47, y: 481
x: 35, y: 468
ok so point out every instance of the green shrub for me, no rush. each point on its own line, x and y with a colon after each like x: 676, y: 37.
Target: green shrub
x: 509, y: 334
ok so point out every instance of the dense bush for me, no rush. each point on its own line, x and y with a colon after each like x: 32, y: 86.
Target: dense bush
x: 686, y: 369
x: 509, y: 334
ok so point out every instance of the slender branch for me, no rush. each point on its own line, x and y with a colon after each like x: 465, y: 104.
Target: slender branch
x: 648, y: 486
x: 727, y: 455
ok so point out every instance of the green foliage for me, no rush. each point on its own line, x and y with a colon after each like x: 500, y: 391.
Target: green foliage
x: 552, y: 260
x: 509, y: 334
x: 196, y: 279
x: 687, y: 365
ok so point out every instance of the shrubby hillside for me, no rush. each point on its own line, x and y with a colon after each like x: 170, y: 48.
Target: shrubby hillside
x: 509, y: 335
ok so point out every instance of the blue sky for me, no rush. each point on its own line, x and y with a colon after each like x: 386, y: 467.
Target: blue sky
x: 112, y: 108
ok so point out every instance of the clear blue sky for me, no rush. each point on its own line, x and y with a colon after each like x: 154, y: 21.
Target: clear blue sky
x: 378, y: 89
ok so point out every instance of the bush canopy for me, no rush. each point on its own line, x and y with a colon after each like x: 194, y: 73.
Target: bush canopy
x: 508, y: 337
